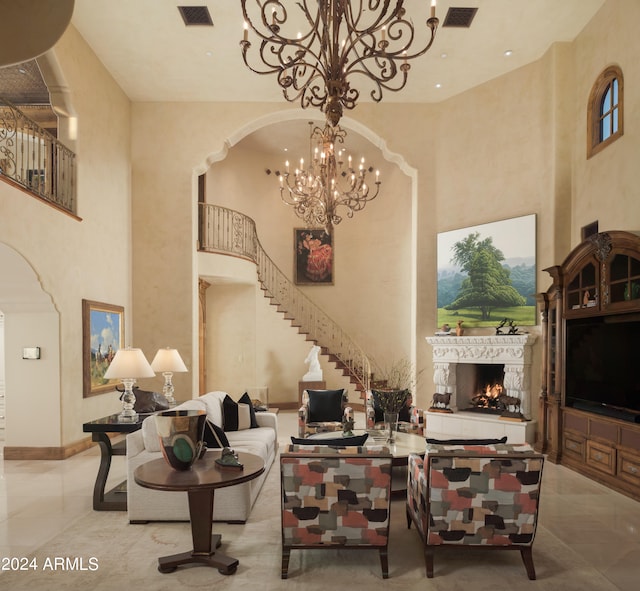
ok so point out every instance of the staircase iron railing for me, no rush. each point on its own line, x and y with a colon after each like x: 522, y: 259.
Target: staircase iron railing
x: 35, y: 160
x: 225, y: 231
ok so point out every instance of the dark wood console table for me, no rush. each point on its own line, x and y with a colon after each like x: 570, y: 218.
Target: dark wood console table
x: 116, y: 498
x: 200, y: 483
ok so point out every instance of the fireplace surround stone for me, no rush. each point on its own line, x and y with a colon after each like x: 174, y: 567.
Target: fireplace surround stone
x: 514, y: 352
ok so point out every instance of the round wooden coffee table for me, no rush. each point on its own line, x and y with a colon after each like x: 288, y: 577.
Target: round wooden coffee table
x: 200, y: 483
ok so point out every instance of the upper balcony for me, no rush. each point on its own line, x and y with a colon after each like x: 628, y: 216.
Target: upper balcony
x: 35, y: 161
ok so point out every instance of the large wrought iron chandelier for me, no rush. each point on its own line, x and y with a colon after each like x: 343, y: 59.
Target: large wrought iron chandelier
x: 330, y: 181
x: 318, y: 48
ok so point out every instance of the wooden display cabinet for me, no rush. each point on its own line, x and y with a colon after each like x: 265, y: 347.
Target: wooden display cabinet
x: 598, y: 282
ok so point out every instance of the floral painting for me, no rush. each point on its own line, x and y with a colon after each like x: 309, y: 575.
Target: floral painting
x: 313, y: 257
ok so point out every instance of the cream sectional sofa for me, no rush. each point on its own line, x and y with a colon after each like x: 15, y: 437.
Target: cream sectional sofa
x: 232, y: 504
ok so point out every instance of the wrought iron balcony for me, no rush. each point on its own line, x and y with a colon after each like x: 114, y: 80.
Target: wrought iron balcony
x: 35, y: 161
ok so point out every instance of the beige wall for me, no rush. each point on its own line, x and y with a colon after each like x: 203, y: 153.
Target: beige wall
x: 74, y: 259
x: 513, y: 146
x: 606, y: 186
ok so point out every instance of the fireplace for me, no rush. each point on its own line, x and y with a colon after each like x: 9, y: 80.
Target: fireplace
x: 480, y: 387
x: 488, y: 379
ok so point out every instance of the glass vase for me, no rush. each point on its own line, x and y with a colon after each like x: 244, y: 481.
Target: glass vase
x: 391, y: 425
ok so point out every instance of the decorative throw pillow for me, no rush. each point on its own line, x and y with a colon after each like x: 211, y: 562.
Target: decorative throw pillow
x: 466, y: 441
x: 325, y: 406
x: 214, y: 436
x: 237, y: 415
x: 356, y: 440
x: 246, y: 399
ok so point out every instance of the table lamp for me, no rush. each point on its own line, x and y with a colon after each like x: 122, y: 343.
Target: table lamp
x: 128, y: 365
x: 168, y: 361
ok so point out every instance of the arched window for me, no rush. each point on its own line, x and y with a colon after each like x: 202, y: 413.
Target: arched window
x: 605, y: 110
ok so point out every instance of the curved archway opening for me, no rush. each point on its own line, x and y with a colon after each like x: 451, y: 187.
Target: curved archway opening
x: 377, y: 247
x: 32, y: 386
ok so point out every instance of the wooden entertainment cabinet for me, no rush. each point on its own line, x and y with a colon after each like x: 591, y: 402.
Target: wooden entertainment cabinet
x: 599, y: 280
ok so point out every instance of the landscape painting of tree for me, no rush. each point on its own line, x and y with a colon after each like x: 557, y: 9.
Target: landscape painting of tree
x: 487, y: 274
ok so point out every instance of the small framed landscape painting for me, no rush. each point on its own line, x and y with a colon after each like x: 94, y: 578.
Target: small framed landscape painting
x: 313, y: 257
x: 102, y: 336
x: 487, y: 274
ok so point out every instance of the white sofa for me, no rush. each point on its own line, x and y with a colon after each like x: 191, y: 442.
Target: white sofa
x: 231, y: 504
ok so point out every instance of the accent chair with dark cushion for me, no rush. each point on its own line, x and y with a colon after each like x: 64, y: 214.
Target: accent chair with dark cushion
x: 470, y: 496
x: 322, y: 411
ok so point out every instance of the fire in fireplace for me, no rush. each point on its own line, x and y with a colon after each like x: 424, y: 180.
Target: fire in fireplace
x: 489, y: 389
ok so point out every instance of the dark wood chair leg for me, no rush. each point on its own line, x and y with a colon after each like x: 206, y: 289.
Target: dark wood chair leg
x: 286, y: 552
x: 384, y: 563
x: 409, y: 520
x: 428, y: 561
x: 527, y: 558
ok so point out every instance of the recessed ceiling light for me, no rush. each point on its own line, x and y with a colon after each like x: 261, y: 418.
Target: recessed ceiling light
x: 508, y: 53
x: 438, y: 85
x: 444, y: 55
x: 209, y: 53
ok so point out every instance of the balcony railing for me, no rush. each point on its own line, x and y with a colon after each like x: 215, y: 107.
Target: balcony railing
x: 33, y: 159
x: 229, y: 232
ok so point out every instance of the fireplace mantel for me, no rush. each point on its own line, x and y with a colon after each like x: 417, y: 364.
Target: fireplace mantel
x: 513, y: 351
x: 483, y: 349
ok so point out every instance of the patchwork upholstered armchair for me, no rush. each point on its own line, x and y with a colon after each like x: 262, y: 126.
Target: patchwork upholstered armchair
x: 409, y: 418
x: 475, y: 495
x: 335, y: 497
x: 323, y: 411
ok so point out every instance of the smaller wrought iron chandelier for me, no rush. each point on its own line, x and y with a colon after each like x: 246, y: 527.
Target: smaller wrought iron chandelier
x: 318, y: 48
x: 329, y: 182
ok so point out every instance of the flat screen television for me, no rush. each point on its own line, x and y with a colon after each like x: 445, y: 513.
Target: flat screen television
x: 602, y: 366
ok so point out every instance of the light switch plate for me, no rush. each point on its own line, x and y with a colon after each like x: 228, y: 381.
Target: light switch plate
x: 31, y: 353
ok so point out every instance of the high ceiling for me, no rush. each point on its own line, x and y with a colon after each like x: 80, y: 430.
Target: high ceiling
x: 153, y: 56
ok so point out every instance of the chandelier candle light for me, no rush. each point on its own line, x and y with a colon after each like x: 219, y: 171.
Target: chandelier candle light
x: 328, y: 183
x: 168, y: 361
x: 128, y: 365
x: 317, y: 48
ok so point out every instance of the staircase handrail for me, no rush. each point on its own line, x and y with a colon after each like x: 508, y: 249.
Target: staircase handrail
x: 226, y: 231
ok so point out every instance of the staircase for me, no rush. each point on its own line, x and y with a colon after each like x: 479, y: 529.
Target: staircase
x: 224, y: 231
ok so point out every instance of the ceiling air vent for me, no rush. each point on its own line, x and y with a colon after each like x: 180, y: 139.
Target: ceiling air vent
x: 459, y: 17
x: 195, y: 15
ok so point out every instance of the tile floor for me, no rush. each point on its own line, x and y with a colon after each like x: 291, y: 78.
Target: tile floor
x: 39, y: 499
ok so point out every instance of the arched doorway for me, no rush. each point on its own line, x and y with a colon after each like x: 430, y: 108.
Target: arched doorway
x: 32, y: 386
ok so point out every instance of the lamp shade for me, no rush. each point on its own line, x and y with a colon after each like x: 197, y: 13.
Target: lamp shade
x: 129, y: 363
x: 168, y: 360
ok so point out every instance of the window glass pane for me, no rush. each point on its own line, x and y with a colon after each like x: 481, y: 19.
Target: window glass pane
x: 619, y: 267
x: 606, y: 101
x: 605, y: 115
x: 605, y: 127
